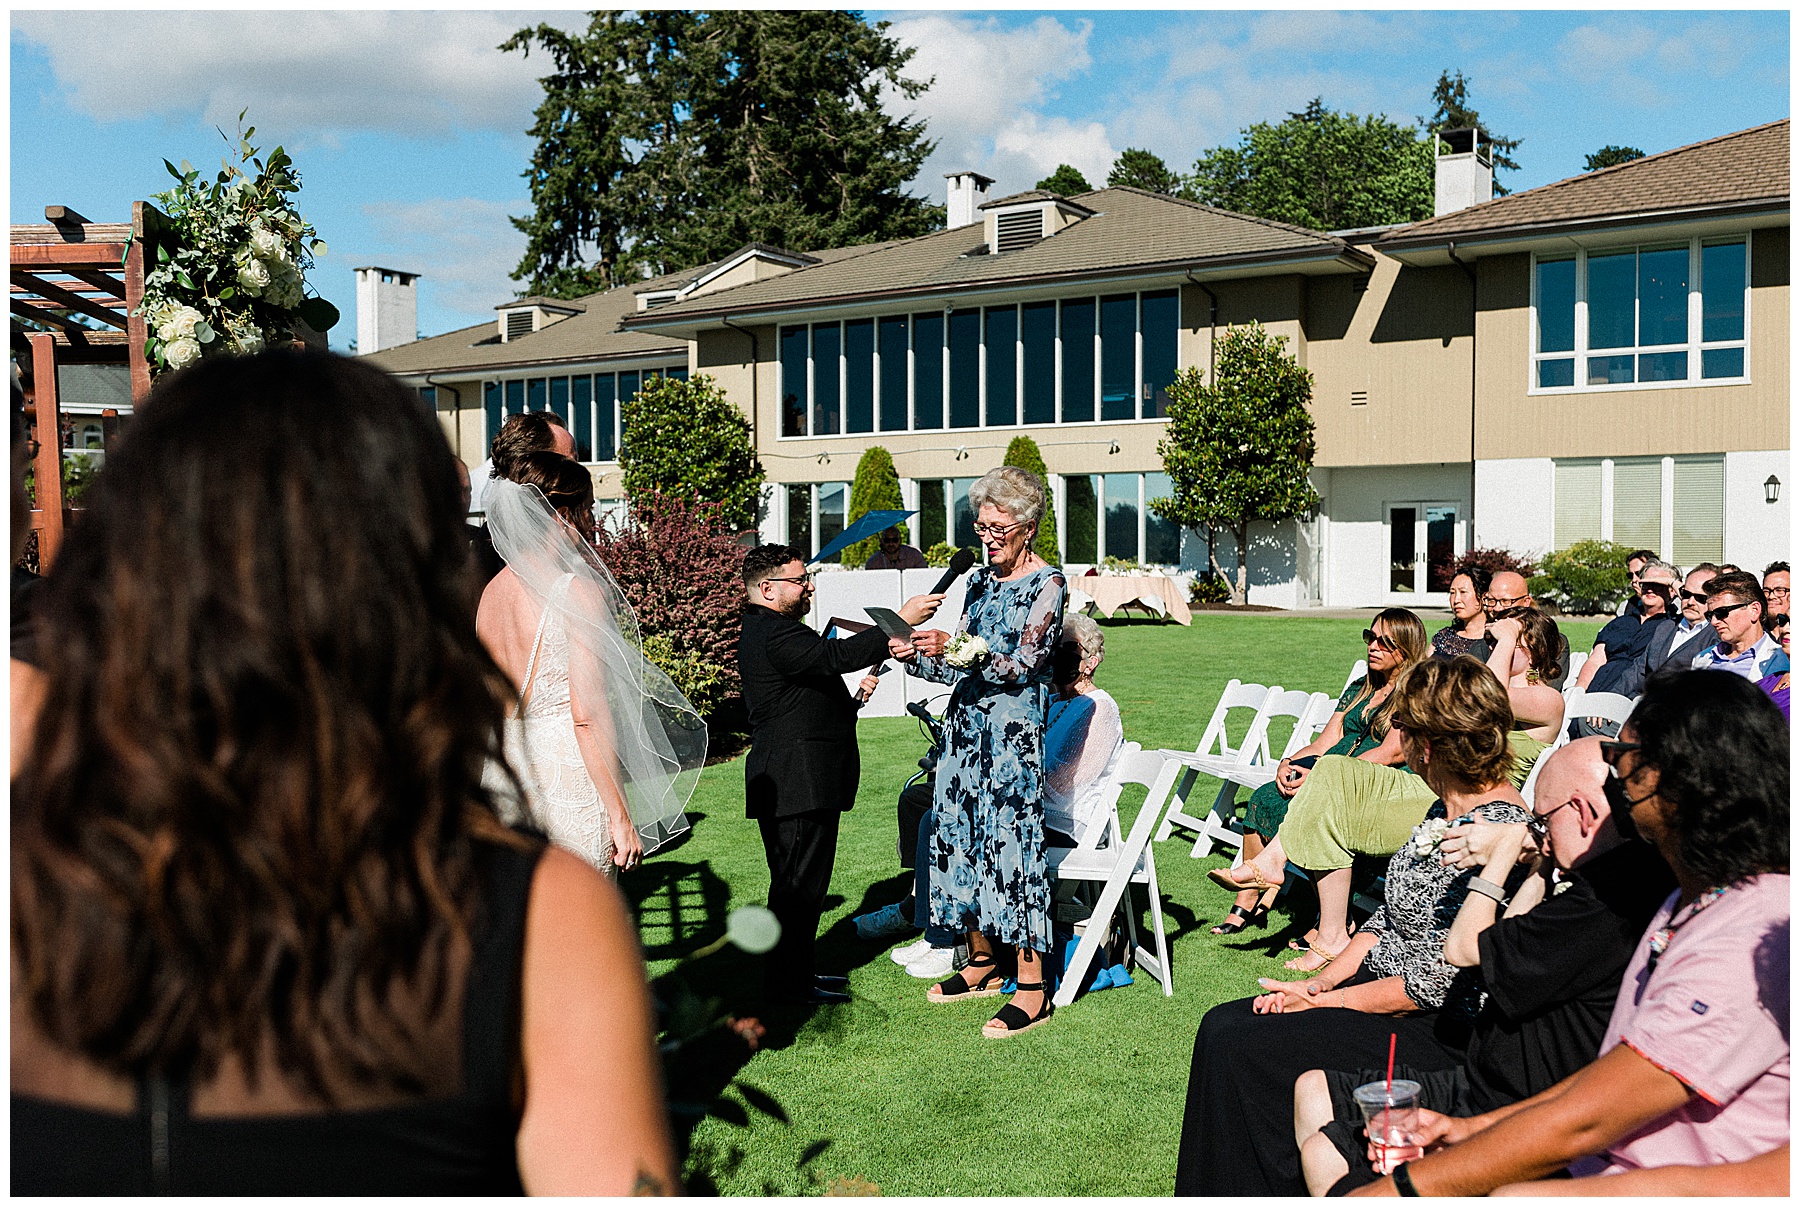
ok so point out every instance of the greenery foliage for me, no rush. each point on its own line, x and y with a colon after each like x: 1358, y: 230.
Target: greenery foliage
x: 1611, y: 156
x: 875, y: 488
x: 685, y: 439
x: 1065, y: 181
x: 1451, y: 96
x: 1491, y: 560
x: 1238, y: 450
x: 227, y: 272
x: 1320, y: 169
x: 1023, y: 453
x: 939, y: 555
x: 669, y: 138
x: 1209, y: 588
x: 1588, y: 577
x: 1139, y: 169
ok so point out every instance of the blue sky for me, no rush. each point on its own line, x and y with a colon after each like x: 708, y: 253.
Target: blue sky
x: 408, y: 126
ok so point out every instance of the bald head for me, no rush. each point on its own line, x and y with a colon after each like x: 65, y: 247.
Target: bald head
x: 1571, y: 795
x: 1508, y: 591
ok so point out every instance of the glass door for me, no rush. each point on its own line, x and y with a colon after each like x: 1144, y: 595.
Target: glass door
x: 1424, y: 541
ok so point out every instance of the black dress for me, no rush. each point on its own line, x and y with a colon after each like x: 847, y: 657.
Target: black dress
x: 456, y: 1146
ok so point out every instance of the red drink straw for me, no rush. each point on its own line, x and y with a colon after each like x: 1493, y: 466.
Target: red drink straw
x: 1393, y: 1038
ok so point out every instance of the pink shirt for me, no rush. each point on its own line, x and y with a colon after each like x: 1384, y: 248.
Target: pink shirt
x: 1713, y: 1013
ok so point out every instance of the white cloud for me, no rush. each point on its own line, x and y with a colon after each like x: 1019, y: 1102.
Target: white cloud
x: 303, y: 75
x: 462, y: 248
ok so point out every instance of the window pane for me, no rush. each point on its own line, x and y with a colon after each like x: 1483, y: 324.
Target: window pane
x: 965, y: 368
x: 1440, y: 547
x: 1722, y: 362
x: 826, y: 401
x: 1612, y: 294
x: 1118, y: 358
x: 833, y: 496
x: 1553, y: 373
x: 1722, y: 281
x: 427, y: 395
x: 1162, y: 540
x: 605, y: 417
x: 1556, y: 305
x: 535, y: 395
x: 964, y: 527
x: 893, y: 373
x: 1663, y: 366
x: 1122, y: 516
x: 1609, y: 370
x: 1403, y: 557
x: 678, y: 373
x: 1037, y: 331
x: 581, y: 407
x: 1081, y: 525
x: 859, y: 376
x: 1162, y: 322
x: 1577, y: 508
x: 496, y: 412
x: 1662, y: 296
x: 793, y: 381
x: 1699, y: 510
x: 934, y: 527
x: 928, y: 370
x: 1002, y: 367
x: 559, y: 398
x: 1637, y: 503
x: 800, y: 516
x: 628, y: 389
x: 1078, y: 364
x: 515, y: 397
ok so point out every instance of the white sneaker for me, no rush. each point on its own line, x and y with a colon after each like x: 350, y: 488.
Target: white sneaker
x: 883, y: 923
x: 908, y: 952
x: 936, y: 964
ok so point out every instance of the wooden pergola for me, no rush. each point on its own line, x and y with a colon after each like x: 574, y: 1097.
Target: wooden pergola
x: 68, y: 275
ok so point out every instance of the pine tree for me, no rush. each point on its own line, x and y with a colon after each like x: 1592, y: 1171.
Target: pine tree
x: 1139, y: 169
x: 1023, y: 453
x: 1611, y: 156
x: 1453, y: 112
x: 876, y: 487
x: 1065, y: 182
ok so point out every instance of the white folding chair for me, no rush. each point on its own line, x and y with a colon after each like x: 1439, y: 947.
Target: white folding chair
x: 1537, y: 765
x: 1606, y: 706
x: 1122, y: 862
x: 1575, y: 664
x: 1215, y: 755
x: 1311, y: 714
x: 1358, y: 671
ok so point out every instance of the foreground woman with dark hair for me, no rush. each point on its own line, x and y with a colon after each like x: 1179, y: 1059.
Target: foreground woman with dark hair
x: 268, y: 934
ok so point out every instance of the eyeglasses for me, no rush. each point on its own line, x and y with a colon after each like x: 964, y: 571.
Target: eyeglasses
x: 1772, y: 592
x: 1539, y: 825
x: 1371, y: 637
x: 1002, y: 531
x: 1663, y: 589
x: 1722, y: 612
x: 804, y: 578
x: 1495, y: 601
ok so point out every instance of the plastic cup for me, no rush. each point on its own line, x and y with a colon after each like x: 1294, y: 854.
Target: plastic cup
x: 1391, y: 1116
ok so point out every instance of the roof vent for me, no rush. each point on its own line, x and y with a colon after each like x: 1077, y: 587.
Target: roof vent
x: 1018, y: 229
x: 518, y: 322
x: 1025, y: 219
x: 522, y: 316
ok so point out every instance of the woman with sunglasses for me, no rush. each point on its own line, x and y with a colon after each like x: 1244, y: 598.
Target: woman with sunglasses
x: 1776, y: 685
x: 1468, y: 633
x: 1358, y: 729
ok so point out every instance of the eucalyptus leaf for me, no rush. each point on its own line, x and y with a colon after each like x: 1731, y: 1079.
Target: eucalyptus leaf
x: 203, y: 332
x: 753, y: 928
x: 322, y: 316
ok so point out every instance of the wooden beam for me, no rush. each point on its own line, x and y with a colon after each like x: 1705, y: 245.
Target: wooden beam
x: 47, y: 469
x: 68, y: 255
x: 67, y: 300
x: 38, y: 314
x: 61, y: 214
x: 148, y: 225
x: 100, y: 281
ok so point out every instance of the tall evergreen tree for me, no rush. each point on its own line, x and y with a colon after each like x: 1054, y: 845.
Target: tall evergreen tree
x: 670, y: 138
x: 1066, y: 181
x: 1453, y: 112
x: 1140, y: 169
x: 1611, y: 156
x: 876, y: 487
x: 1023, y: 453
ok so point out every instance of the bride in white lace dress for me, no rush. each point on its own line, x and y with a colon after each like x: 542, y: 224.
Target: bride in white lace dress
x: 606, y: 750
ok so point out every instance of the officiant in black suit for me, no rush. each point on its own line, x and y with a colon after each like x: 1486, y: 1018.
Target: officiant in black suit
x: 803, y: 767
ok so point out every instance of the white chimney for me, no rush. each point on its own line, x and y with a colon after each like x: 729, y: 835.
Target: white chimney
x: 387, y: 308
x: 967, y: 191
x: 1465, y: 170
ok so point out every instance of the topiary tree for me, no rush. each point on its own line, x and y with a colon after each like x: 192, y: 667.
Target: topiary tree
x: 1239, y: 450
x: 1023, y: 453
x: 876, y: 488
x: 686, y: 440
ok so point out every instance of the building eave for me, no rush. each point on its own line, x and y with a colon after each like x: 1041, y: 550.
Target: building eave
x: 1433, y: 249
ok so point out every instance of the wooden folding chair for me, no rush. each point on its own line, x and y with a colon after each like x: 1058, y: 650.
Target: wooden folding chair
x: 1121, y: 862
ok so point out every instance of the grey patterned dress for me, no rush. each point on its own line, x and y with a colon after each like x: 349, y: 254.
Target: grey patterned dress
x: 1423, y: 899
x: 987, y: 858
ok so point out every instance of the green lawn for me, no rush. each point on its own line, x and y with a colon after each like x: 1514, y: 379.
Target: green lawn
x: 909, y: 1096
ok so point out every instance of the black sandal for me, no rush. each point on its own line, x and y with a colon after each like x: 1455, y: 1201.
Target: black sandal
x: 956, y: 989
x: 1013, y: 1020
x: 1256, y: 917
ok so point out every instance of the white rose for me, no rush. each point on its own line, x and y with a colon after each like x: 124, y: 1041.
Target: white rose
x: 254, y: 275
x: 265, y: 243
x: 181, y: 352
x: 186, y: 323
x: 165, y: 331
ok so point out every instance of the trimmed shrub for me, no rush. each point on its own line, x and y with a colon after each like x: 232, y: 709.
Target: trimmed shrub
x: 681, y: 567
x: 939, y: 555
x: 685, y: 439
x: 876, y: 488
x: 1491, y: 560
x: 1023, y: 453
x: 1587, y: 577
x: 1209, y: 588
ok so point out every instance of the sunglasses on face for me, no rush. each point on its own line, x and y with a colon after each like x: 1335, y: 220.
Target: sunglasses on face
x: 1611, y: 752
x: 1720, y: 613
x: 1778, y: 621
x: 1695, y: 596
x: 1371, y: 637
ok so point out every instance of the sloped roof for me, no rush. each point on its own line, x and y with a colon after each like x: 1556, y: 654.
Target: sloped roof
x: 1746, y: 169
x: 1130, y: 229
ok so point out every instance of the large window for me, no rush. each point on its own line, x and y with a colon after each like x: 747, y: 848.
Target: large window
x: 815, y: 514
x: 1674, y: 505
x: 1651, y: 315
x: 1108, y: 515
x: 1110, y: 358
x: 589, y: 404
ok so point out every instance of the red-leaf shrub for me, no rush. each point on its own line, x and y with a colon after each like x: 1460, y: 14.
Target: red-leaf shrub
x: 680, y: 565
x: 1491, y: 560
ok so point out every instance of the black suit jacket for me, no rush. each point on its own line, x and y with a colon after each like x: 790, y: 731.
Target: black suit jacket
x: 803, y: 755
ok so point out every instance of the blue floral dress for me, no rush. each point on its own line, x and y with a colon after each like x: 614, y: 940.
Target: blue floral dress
x: 987, y: 857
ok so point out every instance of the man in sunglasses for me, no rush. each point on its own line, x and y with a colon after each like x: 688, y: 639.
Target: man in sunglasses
x: 1735, y: 606
x: 1677, y: 647
x: 1619, y: 661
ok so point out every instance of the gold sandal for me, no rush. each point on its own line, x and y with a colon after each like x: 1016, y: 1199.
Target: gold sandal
x: 1222, y: 878
x: 1325, y: 957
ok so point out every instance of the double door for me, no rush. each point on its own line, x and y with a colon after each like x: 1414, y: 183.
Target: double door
x: 1424, y: 541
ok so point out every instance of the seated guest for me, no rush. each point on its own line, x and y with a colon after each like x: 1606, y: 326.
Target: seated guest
x: 1508, y: 595
x: 1551, y: 964
x: 1237, y: 1136
x: 1761, y: 1177
x: 1775, y: 588
x: 1465, y: 635
x: 1735, y: 606
x: 1525, y: 657
x: 1618, y: 661
x: 1694, y: 1066
x: 1635, y: 561
x: 1084, y: 734
x: 1677, y: 648
x: 1357, y: 730
x: 894, y: 553
x: 1776, y: 683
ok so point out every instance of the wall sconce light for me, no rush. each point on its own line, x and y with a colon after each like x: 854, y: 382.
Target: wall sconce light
x: 824, y: 458
x: 1113, y: 448
x: 962, y: 453
x: 1772, y: 489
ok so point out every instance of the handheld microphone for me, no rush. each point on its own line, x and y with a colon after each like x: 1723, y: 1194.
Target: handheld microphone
x: 959, y: 565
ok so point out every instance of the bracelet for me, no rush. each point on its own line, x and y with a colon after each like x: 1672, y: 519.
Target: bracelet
x: 1487, y: 888
x: 1403, y: 1182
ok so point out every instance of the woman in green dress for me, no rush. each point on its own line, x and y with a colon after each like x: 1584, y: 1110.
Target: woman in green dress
x: 1358, y: 729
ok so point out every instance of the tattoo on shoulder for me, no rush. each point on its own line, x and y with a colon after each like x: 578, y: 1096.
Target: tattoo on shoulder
x: 648, y: 1186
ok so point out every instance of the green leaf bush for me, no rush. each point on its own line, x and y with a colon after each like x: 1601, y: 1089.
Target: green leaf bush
x: 686, y: 440
x: 876, y: 488
x: 1588, y: 577
x: 1023, y: 453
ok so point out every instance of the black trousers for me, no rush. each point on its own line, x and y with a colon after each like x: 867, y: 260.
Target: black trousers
x: 800, y: 850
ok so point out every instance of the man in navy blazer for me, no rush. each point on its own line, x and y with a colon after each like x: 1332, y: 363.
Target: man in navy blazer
x: 803, y: 768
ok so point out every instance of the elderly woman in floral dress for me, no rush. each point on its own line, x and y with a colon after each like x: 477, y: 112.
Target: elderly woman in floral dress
x: 988, y: 872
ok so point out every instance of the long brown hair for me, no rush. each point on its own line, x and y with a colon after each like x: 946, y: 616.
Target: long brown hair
x: 1407, y: 632
x: 566, y: 485
x: 251, y: 811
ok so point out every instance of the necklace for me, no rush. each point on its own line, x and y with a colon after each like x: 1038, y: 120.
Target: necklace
x: 1659, y: 942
